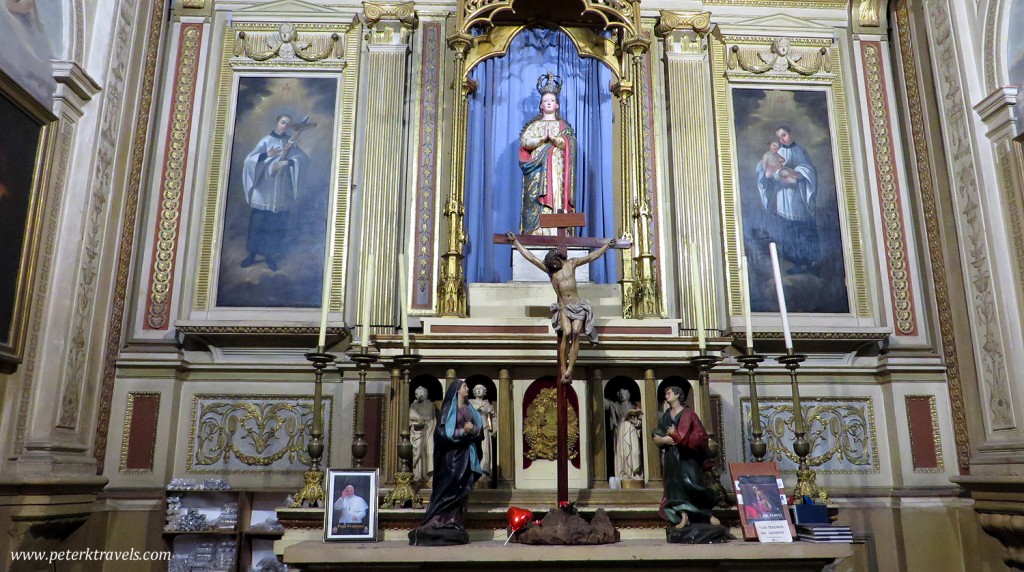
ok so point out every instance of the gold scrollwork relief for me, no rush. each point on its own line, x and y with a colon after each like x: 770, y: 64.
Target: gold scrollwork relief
x: 780, y: 57
x: 287, y: 45
x: 540, y: 428
x: 841, y: 433
x: 239, y: 432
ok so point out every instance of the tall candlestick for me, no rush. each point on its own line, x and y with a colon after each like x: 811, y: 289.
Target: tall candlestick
x: 781, y: 295
x: 364, y: 340
x: 698, y: 298
x: 326, y: 302
x: 403, y: 289
x: 745, y: 294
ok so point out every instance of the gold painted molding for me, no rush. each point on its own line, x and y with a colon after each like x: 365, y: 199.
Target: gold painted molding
x: 936, y: 437
x: 129, y: 410
x: 927, y: 188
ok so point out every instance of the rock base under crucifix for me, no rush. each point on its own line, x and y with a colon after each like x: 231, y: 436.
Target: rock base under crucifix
x: 566, y: 527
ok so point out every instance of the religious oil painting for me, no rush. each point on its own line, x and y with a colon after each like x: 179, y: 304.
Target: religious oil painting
x: 351, y: 511
x: 786, y: 171
x: 278, y: 193
x: 17, y: 199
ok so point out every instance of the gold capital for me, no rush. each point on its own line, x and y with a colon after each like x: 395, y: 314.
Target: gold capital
x: 673, y: 21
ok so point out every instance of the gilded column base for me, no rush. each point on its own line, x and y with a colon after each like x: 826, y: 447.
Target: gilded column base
x: 647, y: 295
x: 451, y: 289
x: 403, y: 493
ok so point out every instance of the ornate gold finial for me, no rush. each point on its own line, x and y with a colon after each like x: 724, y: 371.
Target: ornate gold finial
x: 549, y: 83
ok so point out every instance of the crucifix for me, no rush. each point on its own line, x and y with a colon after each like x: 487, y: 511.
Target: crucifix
x: 572, y: 315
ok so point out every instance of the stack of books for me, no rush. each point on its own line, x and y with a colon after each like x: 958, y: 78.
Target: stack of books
x: 824, y: 533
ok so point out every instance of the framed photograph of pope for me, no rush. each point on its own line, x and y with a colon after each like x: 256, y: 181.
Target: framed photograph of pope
x: 351, y: 512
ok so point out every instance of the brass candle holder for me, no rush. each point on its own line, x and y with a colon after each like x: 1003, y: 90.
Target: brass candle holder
x: 712, y: 478
x: 363, y: 359
x: 403, y: 493
x: 806, y: 477
x: 758, y: 448
x: 312, y: 492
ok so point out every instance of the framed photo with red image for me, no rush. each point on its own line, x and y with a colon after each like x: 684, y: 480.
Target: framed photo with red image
x: 760, y: 496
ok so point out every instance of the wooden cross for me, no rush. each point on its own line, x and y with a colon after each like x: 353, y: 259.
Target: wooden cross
x: 562, y: 241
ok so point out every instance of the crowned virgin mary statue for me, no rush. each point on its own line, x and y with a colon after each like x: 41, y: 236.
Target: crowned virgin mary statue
x: 547, y: 155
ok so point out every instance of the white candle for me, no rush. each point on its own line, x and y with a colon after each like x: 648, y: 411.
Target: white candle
x: 782, y: 296
x: 698, y: 298
x: 326, y: 302
x: 745, y: 294
x: 367, y: 294
x: 403, y: 289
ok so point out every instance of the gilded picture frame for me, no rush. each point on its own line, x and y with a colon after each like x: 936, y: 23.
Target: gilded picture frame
x: 23, y: 160
x: 789, y: 92
x: 270, y: 70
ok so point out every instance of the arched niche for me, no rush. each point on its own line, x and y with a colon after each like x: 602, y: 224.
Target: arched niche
x: 435, y: 391
x: 480, y: 379
x: 611, y: 395
x: 677, y: 381
x: 477, y: 35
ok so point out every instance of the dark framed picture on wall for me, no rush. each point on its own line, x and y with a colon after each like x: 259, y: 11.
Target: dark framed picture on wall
x: 22, y: 163
x: 351, y: 512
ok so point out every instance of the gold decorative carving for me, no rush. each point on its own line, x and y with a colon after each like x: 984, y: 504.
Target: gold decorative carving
x: 895, y: 247
x: 405, y: 13
x: 623, y: 14
x: 254, y: 430
x: 193, y: 4
x: 162, y: 270
x: 540, y: 428
x: 494, y: 43
x: 936, y: 438
x: 112, y: 348
x: 841, y: 431
x: 672, y: 21
x: 129, y: 410
x: 923, y: 167
x: 286, y: 45
x: 810, y: 4
x: 264, y: 330
x: 868, y: 13
x: 780, y: 57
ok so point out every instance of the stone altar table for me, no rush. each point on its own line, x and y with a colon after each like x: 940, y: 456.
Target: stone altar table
x: 648, y: 555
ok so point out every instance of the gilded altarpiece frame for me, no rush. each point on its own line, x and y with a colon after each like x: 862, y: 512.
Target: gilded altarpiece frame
x: 276, y: 54
x: 804, y: 73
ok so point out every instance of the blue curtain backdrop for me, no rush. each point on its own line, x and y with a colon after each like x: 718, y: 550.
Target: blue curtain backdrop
x: 505, y: 99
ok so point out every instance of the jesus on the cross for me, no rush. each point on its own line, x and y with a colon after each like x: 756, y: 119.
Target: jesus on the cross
x: 570, y: 315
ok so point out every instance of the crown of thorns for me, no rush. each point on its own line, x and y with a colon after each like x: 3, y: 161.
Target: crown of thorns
x: 549, y: 83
